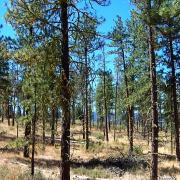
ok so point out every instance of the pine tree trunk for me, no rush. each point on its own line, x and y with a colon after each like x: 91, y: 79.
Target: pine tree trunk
x: 115, y: 108
x: 73, y: 111
x: 171, y: 137
x: 98, y: 123
x: 27, y: 135
x: 8, y: 113
x: 17, y: 124
x: 154, y: 159
x: 13, y: 111
x: 174, y: 99
x: 90, y: 117
x: 105, y: 99
x: 148, y: 138
x: 57, y: 116
x: 130, y: 117
x: 65, y: 137
x: 83, y: 122
x: 137, y: 124
x: 33, y: 135
x: 105, y: 110
x: 44, y: 126
x: 109, y: 121
x: 142, y: 126
x: 86, y: 98
x: 160, y: 115
x: 24, y: 111
x: 53, y: 125
x: 144, y: 131
x: 129, y: 109
x: 90, y: 112
x: 2, y: 113
x: 127, y: 123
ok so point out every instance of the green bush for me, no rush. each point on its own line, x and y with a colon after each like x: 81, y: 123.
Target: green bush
x: 96, y: 146
x: 138, y: 150
x: 18, y: 143
x: 2, y: 133
x: 99, y: 136
x: 27, y: 176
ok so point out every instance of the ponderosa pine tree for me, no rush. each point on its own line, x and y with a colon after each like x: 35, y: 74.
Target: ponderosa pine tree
x: 168, y: 27
x: 105, y: 97
x: 99, y: 98
x: 138, y: 71
x: 87, y: 42
x: 119, y: 41
x: 65, y: 137
x: 4, y: 77
x: 152, y: 59
x: 146, y: 8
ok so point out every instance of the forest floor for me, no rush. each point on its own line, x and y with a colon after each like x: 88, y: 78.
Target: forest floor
x: 102, y: 160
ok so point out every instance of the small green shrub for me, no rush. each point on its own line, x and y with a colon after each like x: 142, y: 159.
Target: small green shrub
x: 96, y: 146
x: 2, y: 133
x: 26, y: 175
x: 18, y: 143
x: 99, y: 136
x: 138, y: 150
x: 121, y: 127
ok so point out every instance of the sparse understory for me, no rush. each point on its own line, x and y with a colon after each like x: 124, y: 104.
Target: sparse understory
x: 108, y: 160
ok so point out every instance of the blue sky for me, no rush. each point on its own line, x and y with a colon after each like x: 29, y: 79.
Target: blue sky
x: 7, y: 30
x: 117, y: 7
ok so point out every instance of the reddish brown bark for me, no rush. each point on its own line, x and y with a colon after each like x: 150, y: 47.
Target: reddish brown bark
x: 65, y: 137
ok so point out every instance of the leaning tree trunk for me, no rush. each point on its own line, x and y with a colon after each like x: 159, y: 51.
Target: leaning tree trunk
x: 65, y: 128
x: 154, y: 158
x: 174, y: 99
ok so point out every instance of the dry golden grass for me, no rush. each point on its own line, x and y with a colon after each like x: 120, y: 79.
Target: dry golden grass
x: 171, y: 168
x: 98, y: 148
